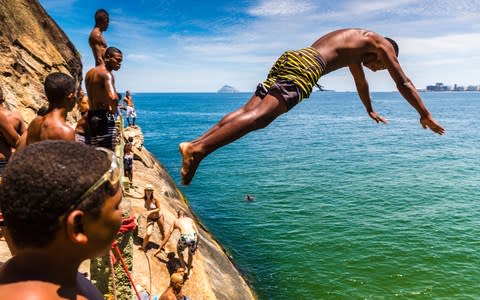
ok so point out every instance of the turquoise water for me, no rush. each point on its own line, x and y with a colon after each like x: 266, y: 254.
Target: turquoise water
x: 345, y: 208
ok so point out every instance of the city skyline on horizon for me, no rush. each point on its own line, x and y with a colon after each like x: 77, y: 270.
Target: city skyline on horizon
x: 187, y: 46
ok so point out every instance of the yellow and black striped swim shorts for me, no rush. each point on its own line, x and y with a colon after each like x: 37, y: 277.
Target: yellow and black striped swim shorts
x: 293, y: 76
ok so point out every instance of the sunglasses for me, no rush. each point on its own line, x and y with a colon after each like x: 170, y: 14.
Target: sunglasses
x: 112, y: 175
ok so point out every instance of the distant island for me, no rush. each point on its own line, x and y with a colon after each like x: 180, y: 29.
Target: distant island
x: 227, y: 89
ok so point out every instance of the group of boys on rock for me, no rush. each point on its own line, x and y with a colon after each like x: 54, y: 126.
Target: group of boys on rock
x: 60, y: 198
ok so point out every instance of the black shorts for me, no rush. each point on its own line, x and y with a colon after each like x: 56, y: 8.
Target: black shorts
x: 101, y: 129
x: 128, y: 163
x: 284, y: 90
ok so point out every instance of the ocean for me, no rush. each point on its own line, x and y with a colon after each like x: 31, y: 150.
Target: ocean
x: 344, y: 208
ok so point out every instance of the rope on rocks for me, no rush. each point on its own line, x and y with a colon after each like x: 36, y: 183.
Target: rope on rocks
x: 128, y: 224
x: 114, y: 285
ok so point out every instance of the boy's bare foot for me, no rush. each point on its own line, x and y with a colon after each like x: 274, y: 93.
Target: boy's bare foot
x: 189, y: 163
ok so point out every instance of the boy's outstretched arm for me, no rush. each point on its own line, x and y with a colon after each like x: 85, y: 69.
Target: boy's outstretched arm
x: 409, y: 92
x: 363, y: 91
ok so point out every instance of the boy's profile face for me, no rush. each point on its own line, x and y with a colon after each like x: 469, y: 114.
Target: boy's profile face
x: 103, y: 24
x: 70, y: 101
x: 102, y: 230
x: 115, y: 61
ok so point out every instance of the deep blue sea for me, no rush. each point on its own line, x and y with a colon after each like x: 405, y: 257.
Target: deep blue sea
x: 345, y: 208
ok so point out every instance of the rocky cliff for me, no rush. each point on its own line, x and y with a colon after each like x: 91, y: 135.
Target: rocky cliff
x: 31, y: 47
x: 214, y: 275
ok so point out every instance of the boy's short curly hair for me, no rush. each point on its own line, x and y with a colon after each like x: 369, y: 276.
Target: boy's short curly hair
x: 57, y: 87
x: 394, y: 45
x: 43, y: 182
x: 100, y: 15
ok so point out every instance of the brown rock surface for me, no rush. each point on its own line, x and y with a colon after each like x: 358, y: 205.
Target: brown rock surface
x: 213, y: 275
x: 31, y: 47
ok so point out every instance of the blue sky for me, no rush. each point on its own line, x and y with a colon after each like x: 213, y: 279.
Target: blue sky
x: 198, y: 46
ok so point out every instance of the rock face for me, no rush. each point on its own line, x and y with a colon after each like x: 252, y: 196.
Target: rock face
x: 227, y: 89
x: 213, y: 275
x: 31, y: 47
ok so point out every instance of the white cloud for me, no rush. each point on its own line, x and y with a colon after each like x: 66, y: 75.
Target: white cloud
x: 270, y: 8
x: 447, y: 46
x: 432, y: 8
x: 364, y: 7
x: 137, y: 57
x: 439, y: 41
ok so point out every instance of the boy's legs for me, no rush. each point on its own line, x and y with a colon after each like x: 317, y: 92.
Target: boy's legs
x: 189, y: 262
x: 180, y: 257
x: 251, y: 104
x: 160, y: 223
x: 130, y: 177
x: 234, y: 128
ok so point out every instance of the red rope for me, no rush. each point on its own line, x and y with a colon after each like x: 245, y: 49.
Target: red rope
x: 128, y: 224
x: 126, y: 270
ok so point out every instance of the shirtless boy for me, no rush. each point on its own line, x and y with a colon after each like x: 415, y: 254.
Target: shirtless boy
x: 12, y: 126
x: 96, y: 40
x: 82, y: 104
x: 60, y: 91
x: 130, y: 108
x: 128, y: 159
x: 61, y: 204
x: 12, y: 138
x: 188, y: 238
x: 291, y: 80
x: 103, y: 100
x: 174, y: 290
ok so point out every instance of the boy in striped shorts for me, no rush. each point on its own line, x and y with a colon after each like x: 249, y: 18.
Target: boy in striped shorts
x: 291, y: 80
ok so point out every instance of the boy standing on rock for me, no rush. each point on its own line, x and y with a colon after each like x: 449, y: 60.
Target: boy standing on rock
x: 103, y: 101
x: 60, y: 91
x: 188, y: 238
x: 96, y: 40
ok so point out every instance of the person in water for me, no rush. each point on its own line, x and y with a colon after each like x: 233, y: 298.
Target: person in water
x: 249, y: 198
x: 291, y: 80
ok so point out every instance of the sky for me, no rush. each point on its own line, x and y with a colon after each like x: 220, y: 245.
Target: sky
x: 199, y: 46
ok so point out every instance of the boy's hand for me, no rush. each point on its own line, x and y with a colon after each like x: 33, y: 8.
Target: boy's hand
x: 429, y: 122
x: 377, y: 118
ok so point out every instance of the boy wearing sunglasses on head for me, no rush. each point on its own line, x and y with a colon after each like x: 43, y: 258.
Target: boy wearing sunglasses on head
x: 60, y: 210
